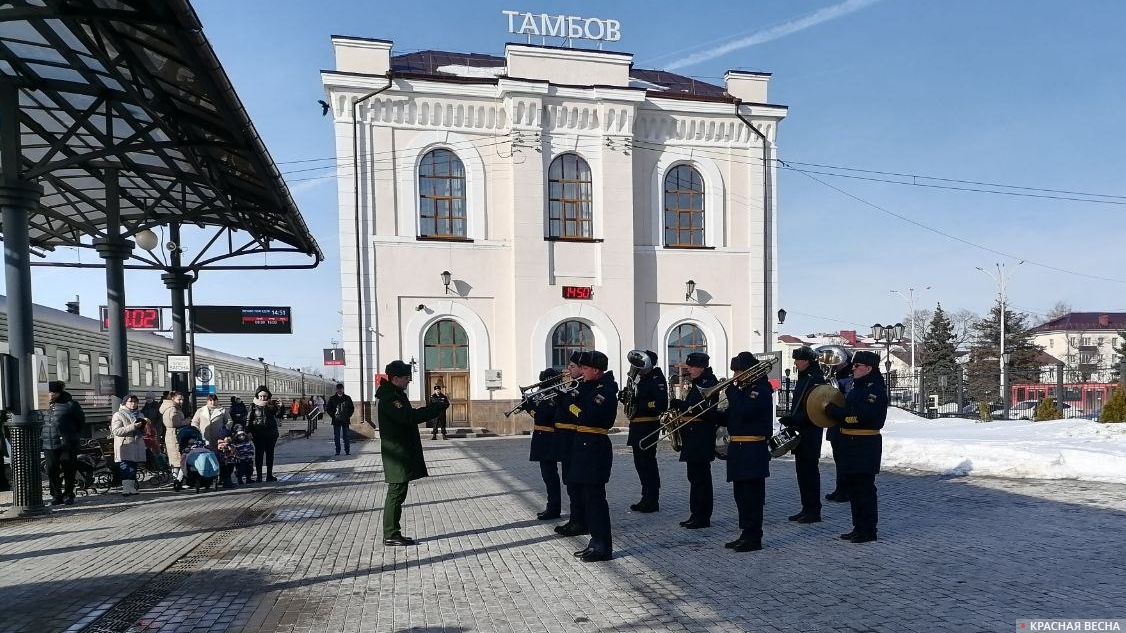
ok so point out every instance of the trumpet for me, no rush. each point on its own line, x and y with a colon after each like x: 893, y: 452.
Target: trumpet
x: 671, y: 422
x: 543, y: 390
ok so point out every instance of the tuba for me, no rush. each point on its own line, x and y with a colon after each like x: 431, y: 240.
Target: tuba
x: 639, y: 363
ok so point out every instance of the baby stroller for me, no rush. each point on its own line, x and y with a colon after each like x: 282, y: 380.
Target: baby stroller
x: 198, y: 467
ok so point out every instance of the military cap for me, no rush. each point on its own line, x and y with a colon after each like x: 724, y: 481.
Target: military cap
x: 698, y: 359
x: 550, y: 372
x: 397, y: 368
x: 743, y: 361
x: 804, y: 353
x: 864, y: 357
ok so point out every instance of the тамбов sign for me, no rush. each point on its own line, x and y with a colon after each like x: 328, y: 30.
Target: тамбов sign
x: 564, y: 26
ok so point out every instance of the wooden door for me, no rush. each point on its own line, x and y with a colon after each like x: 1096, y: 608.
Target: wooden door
x: 455, y: 384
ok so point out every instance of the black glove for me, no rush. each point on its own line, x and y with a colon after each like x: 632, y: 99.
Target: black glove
x: 787, y: 421
x: 444, y: 404
x: 834, y: 411
x: 622, y: 395
x: 676, y: 404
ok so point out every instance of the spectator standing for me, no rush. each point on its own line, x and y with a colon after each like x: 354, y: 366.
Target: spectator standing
x: 262, y: 421
x: 215, y: 423
x: 61, y: 428
x: 439, y: 422
x: 127, y: 426
x: 340, y: 409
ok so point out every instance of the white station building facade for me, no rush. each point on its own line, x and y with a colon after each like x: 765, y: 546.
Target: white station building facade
x: 498, y: 213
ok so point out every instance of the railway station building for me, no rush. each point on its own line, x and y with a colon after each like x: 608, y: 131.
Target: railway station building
x: 498, y: 212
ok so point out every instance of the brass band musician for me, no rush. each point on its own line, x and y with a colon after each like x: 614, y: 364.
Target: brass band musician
x: 594, y: 408
x: 698, y: 441
x: 561, y: 449
x: 750, y: 422
x: 543, y: 430
x: 808, y: 452
x: 647, y: 397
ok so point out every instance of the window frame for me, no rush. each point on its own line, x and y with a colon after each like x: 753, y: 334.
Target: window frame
x: 62, y: 364
x: 433, y: 352
x: 561, y: 351
x: 556, y: 220
x: 673, y: 361
x: 85, y: 368
x: 427, y: 195
x: 680, y: 212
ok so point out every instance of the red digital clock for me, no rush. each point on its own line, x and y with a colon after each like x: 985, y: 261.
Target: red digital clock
x: 146, y: 319
x: 578, y: 292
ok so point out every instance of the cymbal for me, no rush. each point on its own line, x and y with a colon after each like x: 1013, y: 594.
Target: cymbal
x: 815, y: 404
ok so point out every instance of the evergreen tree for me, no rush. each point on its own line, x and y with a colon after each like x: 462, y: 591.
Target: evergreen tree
x: 940, y: 357
x: 983, y: 377
x: 1046, y: 409
x: 1115, y: 408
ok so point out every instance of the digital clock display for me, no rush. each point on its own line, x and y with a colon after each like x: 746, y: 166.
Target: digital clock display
x: 578, y: 292
x: 146, y: 319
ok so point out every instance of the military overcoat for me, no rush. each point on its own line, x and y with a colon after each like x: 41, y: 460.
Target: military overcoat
x: 860, y: 447
x: 595, y: 407
x: 652, y: 399
x: 750, y: 414
x: 399, y: 441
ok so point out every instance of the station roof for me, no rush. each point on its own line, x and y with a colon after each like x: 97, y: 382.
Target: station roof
x: 134, y: 86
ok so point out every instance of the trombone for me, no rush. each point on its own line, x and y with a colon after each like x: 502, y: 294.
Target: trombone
x: 671, y: 422
x: 532, y: 395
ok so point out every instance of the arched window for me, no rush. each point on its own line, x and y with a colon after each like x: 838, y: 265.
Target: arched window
x: 570, y: 337
x: 684, y: 207
x: 441, y: 195
x: 569, y: 194
x: 683, y: 340
x: 447, y: 346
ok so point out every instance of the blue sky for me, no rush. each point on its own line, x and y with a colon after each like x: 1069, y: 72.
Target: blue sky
x: 1023, y: 93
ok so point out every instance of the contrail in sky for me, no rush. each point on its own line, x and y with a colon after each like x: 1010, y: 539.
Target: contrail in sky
x: 774, y: 32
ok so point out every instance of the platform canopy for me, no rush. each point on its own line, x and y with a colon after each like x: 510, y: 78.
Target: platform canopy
x: 125, y: 99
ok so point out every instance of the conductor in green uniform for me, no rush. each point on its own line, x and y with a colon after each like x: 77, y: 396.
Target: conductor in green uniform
x: 400, y: 445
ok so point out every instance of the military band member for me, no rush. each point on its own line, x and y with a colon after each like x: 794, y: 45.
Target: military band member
x: 861, y: 446
x: 833, y: 435
x: 808, y: 452
x: 561, y: 448
x: 592, y: 454
x: 698, y: 442
x: 543, y: 430
x: 652, y: 399
x: 750, y: 423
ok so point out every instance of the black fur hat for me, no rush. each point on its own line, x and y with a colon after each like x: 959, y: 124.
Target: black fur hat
x: 804, y: 353
x: 864, y: 357
x: 397, y: 368
x: 743, y: 361
x: 550, y: 372
x: 698, y: 359
x: 595, y: 359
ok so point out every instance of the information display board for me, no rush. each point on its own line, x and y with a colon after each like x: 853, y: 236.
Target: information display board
x: 242, y: 319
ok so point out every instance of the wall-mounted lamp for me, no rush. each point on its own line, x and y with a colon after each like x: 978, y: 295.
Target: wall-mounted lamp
x: 420, y: 307
x: 414, y: 366
x: 446, y: 277
x: 781, y: 316
x: 689, y: 288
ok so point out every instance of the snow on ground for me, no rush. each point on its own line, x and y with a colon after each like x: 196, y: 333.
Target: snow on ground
x: 1059, y: 449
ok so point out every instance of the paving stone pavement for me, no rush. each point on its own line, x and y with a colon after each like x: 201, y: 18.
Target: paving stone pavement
x: 306, y: 555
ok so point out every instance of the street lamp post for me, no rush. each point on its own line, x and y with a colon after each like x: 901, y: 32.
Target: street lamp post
x: 1005, y: 358
x: 1000, y: 279
x: 886, y: 335
x: 910, y: 299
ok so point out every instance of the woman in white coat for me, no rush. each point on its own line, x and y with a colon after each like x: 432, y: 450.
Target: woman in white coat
x: 127, y: 426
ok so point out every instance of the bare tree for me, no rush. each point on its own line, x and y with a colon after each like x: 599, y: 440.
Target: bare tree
x: 963, y: 321
x: 1061, y: 308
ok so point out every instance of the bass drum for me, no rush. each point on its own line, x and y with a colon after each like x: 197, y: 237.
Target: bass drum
x: 722, y: 440
x: 785, y: 441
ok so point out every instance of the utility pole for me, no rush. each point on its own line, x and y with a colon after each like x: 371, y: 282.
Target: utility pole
x: 910, y: 299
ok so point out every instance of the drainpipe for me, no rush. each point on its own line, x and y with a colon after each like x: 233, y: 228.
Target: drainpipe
x: 359, y: 243
x: 768, y: 231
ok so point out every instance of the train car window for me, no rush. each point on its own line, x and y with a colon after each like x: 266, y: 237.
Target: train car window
x: 161, y: 374
x: 62, y: 364
x: 84, y: 367
x: 103, y: 365
x: 148, y: 373
x: 39, y: 350
x: 135, y: 372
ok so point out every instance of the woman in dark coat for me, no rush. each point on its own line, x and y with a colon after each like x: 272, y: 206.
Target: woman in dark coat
x: 262, y: 422
x: 750, y: 422
x: 400, y: 445
x: 860, y: 447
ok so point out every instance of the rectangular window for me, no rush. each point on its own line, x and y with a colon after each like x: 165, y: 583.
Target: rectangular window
x: 161, y: 374
x: 148, y: 373
x: 135, y: 372
x: 103, y: 365
x: 84, y: 368
x: 62, y: 364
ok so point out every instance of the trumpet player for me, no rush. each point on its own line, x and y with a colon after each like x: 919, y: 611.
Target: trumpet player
x: 592, y: 455
x: 561, y: 441
x: 698, y: 442
x: 646, y: 396
x: 808, y: 452
x: 860, y: 446
x: 543, y: 431
x: 750, y: 422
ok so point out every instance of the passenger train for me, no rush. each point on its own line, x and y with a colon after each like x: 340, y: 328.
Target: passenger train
x: 77, y: 351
